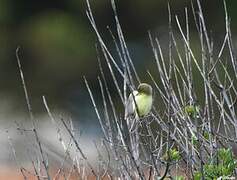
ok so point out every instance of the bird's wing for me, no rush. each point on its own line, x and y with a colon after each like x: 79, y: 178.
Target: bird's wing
x: 129, y: 117
x: 129, y: 108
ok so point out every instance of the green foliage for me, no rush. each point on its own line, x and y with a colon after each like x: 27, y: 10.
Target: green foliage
x: 194, y: 140
x: 206, y: 135
x: 172, y: 155
x: 222, y: 165
x: 179, y: 178
x: 197, y: 176
x: 192, y: 111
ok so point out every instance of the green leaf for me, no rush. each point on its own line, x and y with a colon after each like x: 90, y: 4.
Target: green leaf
x: 179, y: 178
x: 197, y: 176
x: 173, y: 154
x: 192, y: 111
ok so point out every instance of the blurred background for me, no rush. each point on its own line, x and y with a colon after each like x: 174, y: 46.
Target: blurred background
x: 57, y: 48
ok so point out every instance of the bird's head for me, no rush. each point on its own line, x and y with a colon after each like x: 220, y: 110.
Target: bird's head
x: 145, y: 88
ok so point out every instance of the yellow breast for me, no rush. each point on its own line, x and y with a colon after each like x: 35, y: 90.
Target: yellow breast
x: 144, y: 104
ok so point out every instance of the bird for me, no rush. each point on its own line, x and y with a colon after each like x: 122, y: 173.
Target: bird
x: 138, y: 105
x: 139, y: 102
